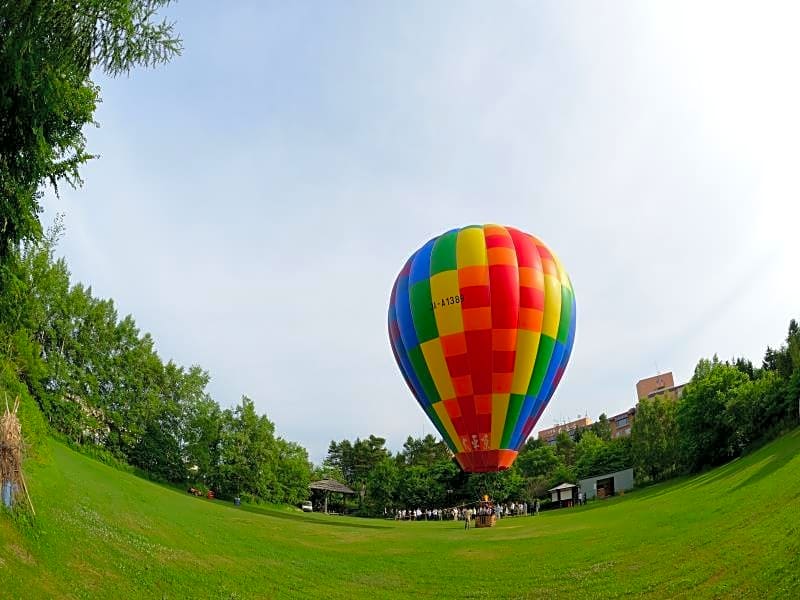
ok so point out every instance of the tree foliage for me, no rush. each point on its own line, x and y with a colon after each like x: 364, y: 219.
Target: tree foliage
x: 704, y: 435
x: 596, y: 456
x: 654, y: 439
x: 48, y: 50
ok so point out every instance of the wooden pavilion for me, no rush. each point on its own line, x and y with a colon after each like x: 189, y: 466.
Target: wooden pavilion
x: 327, y: 486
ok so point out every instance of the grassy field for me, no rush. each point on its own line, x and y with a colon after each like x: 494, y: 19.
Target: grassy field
x: 102, y: 533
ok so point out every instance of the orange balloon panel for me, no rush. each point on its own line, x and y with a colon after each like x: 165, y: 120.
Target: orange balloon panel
x: 482, y: 322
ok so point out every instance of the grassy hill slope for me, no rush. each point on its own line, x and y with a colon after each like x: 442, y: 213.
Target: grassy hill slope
x: 102, y: 533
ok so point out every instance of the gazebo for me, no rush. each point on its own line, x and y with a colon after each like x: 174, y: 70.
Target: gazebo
x: 328, y: 486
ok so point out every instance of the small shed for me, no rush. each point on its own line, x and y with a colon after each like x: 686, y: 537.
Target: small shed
x: 604, y: 486
x: 327, y: 486
x: 564, y: 495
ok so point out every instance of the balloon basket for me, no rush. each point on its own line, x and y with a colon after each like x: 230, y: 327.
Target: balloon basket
x: 485, y: 521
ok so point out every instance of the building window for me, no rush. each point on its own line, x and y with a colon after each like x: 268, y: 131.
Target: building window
x: 622, y: 422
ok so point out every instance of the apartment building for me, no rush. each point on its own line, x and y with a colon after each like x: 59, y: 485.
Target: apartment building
x: 654, y: 385
x: 621, y: 424
x: 549, y: 435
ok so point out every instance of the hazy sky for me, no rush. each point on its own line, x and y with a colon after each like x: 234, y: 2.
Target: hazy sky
x: 256, y: 197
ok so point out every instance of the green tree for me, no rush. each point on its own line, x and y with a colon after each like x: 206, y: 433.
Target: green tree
x: 654, y: 439
x: 327, y: 471
x: 293, y: 472
x: 501, y: 486
x: 247, y: 454
x: 537, y: 460
x: 589, y: 454
x: 381, y: 486
x: 48, y: 50
x: 565, y: 448
x: 340, y: 460
x: 595, y: 456
x: 602, y: 428
x: 793, y: 344
x: 562, y: 474
x: 786, y: 359
x: 703, y: 432
x: 201, y: 440
x: 419, y: 488
x: 745, y: 366
x: 778, y: 361
x: 426, y: 451
x: 355, y: 460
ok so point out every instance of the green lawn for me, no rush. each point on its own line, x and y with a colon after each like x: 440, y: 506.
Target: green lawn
x: 102, y: 533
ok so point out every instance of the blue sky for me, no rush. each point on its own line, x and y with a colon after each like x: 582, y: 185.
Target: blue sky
x: 255, y: 198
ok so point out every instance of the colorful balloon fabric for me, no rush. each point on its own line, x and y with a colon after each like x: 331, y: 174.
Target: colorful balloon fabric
x: 481, y: 322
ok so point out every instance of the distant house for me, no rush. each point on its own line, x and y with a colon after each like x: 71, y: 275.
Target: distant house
x: 604, y: 486
x: 564, y: 495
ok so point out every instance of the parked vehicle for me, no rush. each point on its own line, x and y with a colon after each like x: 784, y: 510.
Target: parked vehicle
x: 307, y: 507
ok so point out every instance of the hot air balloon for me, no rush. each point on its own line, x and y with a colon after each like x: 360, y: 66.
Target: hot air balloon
x: 481, y: 323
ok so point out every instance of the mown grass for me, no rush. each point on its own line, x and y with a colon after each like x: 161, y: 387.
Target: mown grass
x: 102, y: 533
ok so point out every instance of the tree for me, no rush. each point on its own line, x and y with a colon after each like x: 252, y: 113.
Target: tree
x: 753, y: 409
x: 595, y: 456
x: 47, y: 53
x: 201, y: 438
x: 500, y: 486
x: 704, y: 434
x: 247, y: 454
x: 356, y: 460
x: 157, y: 452
x: 602, y: 428
x: 565, y: 448
x: 326, y: 471
x: 563, y: 473
x: 786, y: 359
x: 589, y: 455
x: 293, y: 472
x: 745, y: 366
x: 425, y: 451
x: 537, y: 460
x: 340, y: 460
x: 793, y: 344
x: 381, y: 486
x: 778, y: 361
x: 654, y: 438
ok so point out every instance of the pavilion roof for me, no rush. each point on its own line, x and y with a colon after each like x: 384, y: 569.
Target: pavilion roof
x: 563, y: 486
x: 330, y: 485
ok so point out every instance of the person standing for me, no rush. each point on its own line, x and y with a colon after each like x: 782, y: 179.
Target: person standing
x: 536, y: 507
x: 467, y: 516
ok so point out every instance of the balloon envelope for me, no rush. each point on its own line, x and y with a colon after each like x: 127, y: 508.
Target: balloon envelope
x: 481, y: 323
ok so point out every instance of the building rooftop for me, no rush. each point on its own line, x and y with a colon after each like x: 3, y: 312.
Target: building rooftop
x: 330, y: 485
x: 563, y: 486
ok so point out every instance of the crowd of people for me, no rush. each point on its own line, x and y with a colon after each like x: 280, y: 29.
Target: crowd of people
x: 458, y: 513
